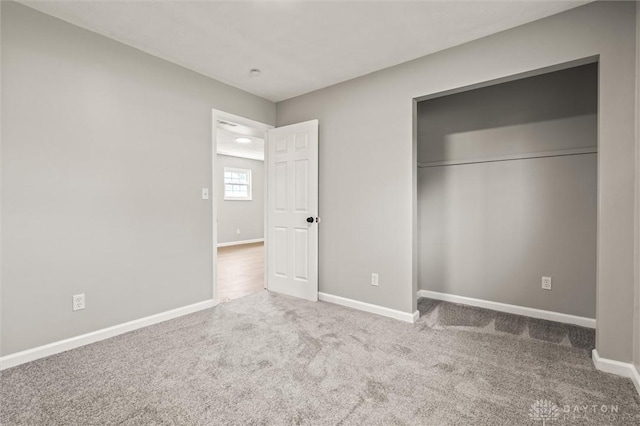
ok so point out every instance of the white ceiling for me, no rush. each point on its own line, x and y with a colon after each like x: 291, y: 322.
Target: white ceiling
x: 227, y: 145
x: 299, y: 46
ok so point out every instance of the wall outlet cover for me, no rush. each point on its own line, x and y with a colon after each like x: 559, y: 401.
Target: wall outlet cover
x: 546, y: 283
x: 374, y: 279
x: 78, y: 302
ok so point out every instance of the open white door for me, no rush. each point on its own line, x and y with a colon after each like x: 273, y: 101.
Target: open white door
x: 292, y: 211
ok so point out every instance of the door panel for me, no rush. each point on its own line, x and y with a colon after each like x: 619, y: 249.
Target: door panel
x: 292, y: 191
x: 301, y: 182
x: 301, y: 253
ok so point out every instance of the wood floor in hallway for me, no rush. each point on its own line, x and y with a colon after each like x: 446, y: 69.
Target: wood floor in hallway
x: 240, y: 271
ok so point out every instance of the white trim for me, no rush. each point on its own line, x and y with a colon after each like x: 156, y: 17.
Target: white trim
x: 49, y: 349
x: 368, y: 307
x: 238, y: 243
x: 624, y: 369
x: 511, y: 309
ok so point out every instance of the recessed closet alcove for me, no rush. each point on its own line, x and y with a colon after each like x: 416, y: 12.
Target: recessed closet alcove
x: 507, y: 191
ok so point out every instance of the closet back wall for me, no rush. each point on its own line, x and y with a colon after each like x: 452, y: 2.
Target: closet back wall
x: 491, y: 230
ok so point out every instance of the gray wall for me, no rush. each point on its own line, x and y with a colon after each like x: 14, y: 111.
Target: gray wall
x: 105, y: 152
x: 367, y: 163
x: 1, y: 185
x: 492, y: 230
x: 549, y: 112
x: 637, y: 231
x: 247, y: 216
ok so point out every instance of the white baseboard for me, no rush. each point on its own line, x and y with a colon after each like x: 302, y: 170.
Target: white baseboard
x: 28, y: 355
x: 368, y: 307
x: 238, y: 243
x: 624, y: 369
x: 511, y: 309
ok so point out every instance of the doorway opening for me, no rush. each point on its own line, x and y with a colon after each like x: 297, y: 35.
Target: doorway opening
x: 239, y: 202
x: 287, y: 231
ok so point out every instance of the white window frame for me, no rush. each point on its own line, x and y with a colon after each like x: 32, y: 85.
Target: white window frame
x: 249, y: 184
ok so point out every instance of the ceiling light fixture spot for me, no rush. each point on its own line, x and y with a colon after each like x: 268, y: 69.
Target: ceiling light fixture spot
x: 255, y: 72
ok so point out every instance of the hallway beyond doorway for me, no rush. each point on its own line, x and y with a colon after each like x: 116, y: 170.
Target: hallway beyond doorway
x: 240, y: 271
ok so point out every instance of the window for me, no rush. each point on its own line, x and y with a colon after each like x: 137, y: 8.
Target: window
x: 237, y: 184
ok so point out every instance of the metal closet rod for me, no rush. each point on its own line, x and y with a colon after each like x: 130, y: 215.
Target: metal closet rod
x: 559, y: 153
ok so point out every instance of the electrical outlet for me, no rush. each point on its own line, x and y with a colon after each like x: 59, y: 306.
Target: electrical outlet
x: 78, y: 302
x: 546, y: 283
x: 374, y: 279
x: 238, y: 231
x: 205, y: 193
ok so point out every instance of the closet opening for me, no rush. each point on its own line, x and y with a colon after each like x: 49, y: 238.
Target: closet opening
x: 506, y: 203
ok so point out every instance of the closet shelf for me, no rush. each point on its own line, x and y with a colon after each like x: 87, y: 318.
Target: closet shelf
x: 527, y: 156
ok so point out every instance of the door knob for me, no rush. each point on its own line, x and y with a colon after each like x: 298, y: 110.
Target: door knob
x: 310, y: 219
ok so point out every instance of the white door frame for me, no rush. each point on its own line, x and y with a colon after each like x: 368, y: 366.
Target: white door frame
x: 225, y: 116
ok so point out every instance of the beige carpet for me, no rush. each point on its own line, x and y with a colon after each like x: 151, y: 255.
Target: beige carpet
x: 270, y: 359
